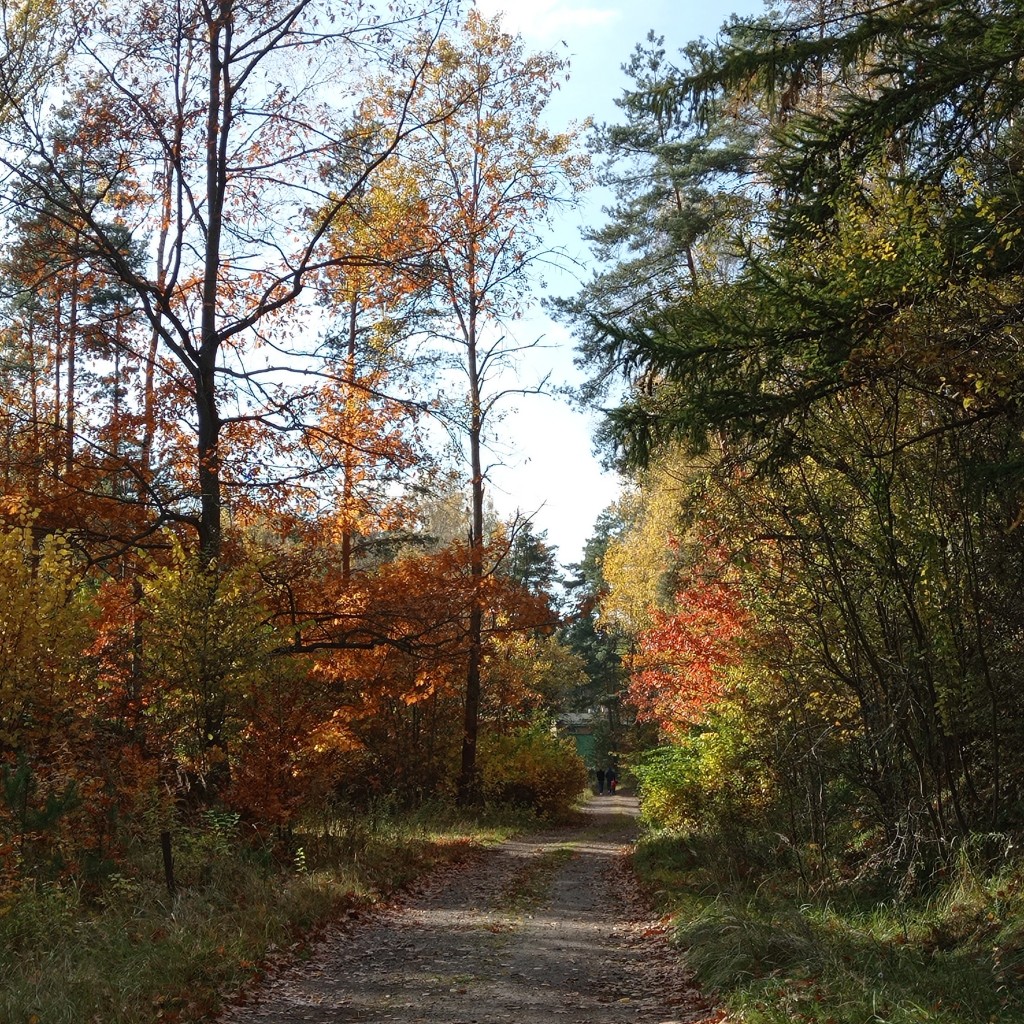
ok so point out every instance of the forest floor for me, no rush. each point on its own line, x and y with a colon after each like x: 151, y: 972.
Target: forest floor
x: 545, y: 928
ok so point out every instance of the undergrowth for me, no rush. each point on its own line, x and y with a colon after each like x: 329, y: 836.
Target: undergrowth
x: 952, y: 954
x: 125, y: 951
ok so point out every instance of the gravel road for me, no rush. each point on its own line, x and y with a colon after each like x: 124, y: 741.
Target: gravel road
x: 546, y: 928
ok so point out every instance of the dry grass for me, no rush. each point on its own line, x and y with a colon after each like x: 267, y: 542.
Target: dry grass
x: 129, y: 953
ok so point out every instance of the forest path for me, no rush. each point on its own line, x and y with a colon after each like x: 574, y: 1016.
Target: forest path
x: 549, y: 927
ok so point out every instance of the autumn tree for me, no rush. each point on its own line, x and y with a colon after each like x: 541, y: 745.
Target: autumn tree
x: 367, y: 427
x: 206, y: 645
x: 219, y: 121
x: 43, y: 630
x: 33, y: 45
x: 489, y: 175
x: 221, y: 143
x: 850, y: 388
x: 45, y: 693
x: 678, y: 671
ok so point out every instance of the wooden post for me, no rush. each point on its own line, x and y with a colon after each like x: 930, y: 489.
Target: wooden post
x: 165, y: 845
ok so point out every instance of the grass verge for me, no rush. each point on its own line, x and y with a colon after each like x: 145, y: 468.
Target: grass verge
x: 954, y: 956
x: 127, y: 952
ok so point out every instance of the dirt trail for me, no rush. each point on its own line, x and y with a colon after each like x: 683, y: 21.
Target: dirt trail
x: 546, y: 928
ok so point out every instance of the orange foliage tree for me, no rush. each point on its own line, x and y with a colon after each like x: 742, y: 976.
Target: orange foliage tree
x: 390, y: 647
x: 220, y: 166
x: 365, y: 432
x: 680, y: 667
x: 169, y: 396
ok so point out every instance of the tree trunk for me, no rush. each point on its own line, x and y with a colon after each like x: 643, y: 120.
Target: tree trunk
x: 469, y: 782
x: 209, y: 469
x: 53, y: 443
x: 348, y: 470
x: 72, y: 358
x: 217, y: 125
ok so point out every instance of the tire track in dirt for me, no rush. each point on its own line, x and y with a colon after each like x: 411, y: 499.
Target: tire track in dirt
x: 546, y: 928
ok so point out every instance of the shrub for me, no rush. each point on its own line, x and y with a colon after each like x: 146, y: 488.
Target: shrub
x: 534, y: 768
x: 705, y: 780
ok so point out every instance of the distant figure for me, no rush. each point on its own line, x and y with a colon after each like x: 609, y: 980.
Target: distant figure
x: 613, y: 779
x: 600, y: 780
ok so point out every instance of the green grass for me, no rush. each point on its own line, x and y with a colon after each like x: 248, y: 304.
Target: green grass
x: 954, y: 956
x: 127, y: 952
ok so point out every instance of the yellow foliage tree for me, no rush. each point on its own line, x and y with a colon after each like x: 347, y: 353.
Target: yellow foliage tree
x: 523, y: 673
x: 44, y: 689
x: 43, y: 632
x: 206, y: 648
x: 639, y: 562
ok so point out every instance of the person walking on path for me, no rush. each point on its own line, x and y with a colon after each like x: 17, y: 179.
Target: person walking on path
x: 600, y: 780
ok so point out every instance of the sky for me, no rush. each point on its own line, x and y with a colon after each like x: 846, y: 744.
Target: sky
x: 553, y: 474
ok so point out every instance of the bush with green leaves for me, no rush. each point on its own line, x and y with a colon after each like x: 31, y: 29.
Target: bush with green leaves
x: 710, y: 777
